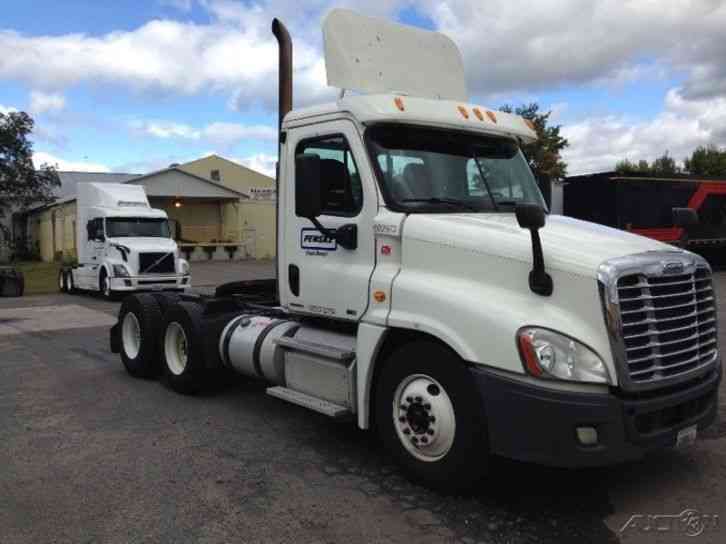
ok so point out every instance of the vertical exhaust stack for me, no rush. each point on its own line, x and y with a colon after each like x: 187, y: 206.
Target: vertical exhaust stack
x: 285, y: 70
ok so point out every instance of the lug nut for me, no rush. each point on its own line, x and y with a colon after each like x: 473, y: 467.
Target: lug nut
x: 409, y: 399
x: 418, y: 399
x: 427, y: 406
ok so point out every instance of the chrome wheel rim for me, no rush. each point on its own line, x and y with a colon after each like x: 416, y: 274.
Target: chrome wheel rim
x: 61, y: 282
x: 423, y: 416
x: 131, y: 335
x: 106, y: 286
x: 176, y: 348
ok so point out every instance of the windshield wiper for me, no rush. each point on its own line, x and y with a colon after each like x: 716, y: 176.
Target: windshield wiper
x: 449, y: 201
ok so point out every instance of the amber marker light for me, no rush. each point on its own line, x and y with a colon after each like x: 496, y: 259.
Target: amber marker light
x: 379, y: 296
x: 478, y: 114
x: 491, y: 116
x: 526, y: 350
x: 399, y: 103
x: 463, y: 112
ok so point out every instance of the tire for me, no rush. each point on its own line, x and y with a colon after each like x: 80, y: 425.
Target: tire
x: 104, y: 286
x: 449, y: 453
x: 165, y: 300
x: 182, y: 347
x: 70, y: 286
x: 140, y: 322
x: 62, y: 281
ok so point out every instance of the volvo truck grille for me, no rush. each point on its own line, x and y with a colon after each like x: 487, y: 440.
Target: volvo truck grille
x: 663, y: 321
x: 156, y: 263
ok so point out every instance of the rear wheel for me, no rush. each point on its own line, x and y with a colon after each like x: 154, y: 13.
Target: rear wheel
x: 140, y: 322
x: 182, y: 347
x: 62, y: 281
x: 430, y: 418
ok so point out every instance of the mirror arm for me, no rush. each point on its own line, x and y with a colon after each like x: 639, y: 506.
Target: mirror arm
x: 540, y: 281
x: 346, y: 236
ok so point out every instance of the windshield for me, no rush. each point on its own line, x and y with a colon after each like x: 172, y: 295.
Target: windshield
x: 426, y: 170
x: 118, y: 227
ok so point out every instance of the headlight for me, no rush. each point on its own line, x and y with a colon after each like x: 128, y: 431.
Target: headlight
x: 120, y: 271
x: 549, y: 354
x: 183, y: 266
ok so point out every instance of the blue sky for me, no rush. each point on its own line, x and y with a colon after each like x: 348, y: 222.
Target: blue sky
x: 136, y: 85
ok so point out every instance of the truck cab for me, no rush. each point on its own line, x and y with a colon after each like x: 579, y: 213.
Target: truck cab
x: 424, y: 290
x: 123, y: 244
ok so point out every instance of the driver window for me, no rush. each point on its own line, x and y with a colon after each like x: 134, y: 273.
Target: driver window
x: 340, y: 184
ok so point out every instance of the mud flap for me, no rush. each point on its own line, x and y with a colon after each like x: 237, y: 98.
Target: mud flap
x: 115, y: 338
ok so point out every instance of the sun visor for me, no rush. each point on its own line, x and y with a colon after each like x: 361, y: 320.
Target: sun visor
x: 372, y: 55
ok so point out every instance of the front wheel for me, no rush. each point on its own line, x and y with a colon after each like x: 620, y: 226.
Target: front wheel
x: 430, y: 418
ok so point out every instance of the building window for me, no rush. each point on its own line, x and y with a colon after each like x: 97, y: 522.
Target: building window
x: 215, y: 175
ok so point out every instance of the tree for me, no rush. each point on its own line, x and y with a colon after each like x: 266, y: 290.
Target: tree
x: 662, y: 166
x: 544, y: 154
x: 21, y: 185
x: 707, y: 161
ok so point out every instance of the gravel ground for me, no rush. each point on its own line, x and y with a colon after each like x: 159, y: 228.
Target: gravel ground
x: 88, y: 454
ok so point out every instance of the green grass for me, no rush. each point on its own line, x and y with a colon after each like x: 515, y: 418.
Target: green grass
x: 40, y: 277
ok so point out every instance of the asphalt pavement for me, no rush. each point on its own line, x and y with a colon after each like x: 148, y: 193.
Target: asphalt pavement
x: 89, y: 454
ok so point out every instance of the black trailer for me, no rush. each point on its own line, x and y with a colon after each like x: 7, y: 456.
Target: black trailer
x: 643, y: 204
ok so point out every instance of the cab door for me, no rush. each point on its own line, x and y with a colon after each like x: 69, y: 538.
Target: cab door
x: 318, y: 275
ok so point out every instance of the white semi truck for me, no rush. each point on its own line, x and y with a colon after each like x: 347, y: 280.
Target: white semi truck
x: 423, y: 291
x: 123, y: 244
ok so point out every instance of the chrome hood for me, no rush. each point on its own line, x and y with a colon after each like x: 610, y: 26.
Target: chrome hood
x: 569, y: 245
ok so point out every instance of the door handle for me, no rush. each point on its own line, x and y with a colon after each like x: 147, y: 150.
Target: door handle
x: 293, y: 279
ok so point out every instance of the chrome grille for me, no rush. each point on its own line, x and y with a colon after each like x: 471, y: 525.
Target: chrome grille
x: 668, y: 323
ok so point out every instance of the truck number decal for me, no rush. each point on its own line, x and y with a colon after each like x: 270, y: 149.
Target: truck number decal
x: 315, y: 240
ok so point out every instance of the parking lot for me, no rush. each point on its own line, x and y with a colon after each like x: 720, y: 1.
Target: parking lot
x: 89, y: 454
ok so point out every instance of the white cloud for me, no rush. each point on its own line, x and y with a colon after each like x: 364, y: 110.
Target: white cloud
x: 40, y: 158
x: 6, y: 109
x: 516, y: 45
x: 260, y: 162
x: 219, y: 133
x: 41, y: 102
x: 598, y: 143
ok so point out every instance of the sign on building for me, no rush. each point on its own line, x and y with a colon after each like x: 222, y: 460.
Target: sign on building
x: 263, y: 193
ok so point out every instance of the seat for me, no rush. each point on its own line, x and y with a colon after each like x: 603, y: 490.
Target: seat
x: 335, y: 187
x: 417, y: 180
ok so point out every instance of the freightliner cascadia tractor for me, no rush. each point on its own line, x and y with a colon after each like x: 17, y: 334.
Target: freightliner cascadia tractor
x: 424, y: 291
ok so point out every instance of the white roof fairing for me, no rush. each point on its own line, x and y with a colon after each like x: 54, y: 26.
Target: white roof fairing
x: 372, y: 55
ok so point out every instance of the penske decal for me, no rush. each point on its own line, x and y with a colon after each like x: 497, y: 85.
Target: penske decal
x: 315, y: 240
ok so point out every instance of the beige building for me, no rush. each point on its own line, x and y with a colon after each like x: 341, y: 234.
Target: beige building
x: 217, y: 208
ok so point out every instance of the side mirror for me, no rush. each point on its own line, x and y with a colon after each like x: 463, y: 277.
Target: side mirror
x: 685, y: 217
x: 532, y: 217
x: 307, y: 186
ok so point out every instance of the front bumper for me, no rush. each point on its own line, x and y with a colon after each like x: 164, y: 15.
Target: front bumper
x: 530, y: 423
x: 151, y: 282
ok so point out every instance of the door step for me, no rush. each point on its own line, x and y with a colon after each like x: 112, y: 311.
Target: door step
x: 311, y: 348
x: 308, y: 401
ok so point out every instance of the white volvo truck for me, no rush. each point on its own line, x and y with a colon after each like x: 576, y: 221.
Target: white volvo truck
x: 423, y: 290
x: 123, y: 244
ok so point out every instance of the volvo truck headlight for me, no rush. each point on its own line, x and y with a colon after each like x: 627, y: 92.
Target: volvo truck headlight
x: 120, y: 271
x: 183, y: 266
x: 549, y: 354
